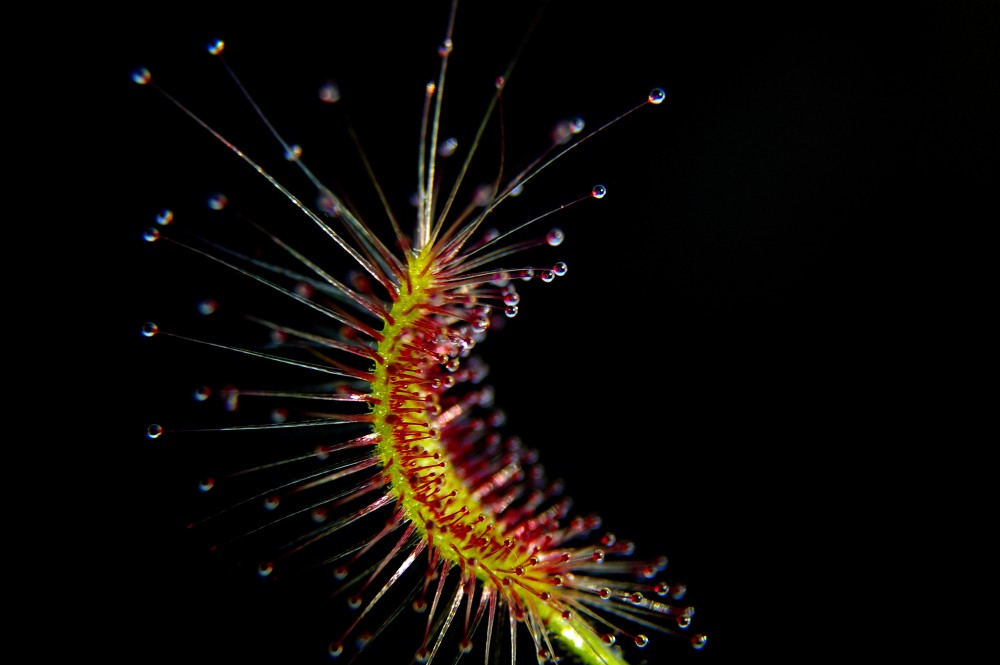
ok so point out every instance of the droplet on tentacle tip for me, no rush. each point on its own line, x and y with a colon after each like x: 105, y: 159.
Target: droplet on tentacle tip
x: 149, y: 329
x: 215, y: 46
x: 142, y: 76
x: 154, y: 431
x: 165, y: 216
x: 599, y: 191
x: 329, y: 92
x: 217, y: 201
x: 555, y: 237
x: 656, y: 95
x: 208, y: 306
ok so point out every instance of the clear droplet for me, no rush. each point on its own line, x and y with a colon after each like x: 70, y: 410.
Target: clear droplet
x: 216, y: 46
x: 329, y: 92
x: 518, y: 190
x: 207, y: 306
x: 217, y: 201
x: 141, y: 76
x: 164, y: 217
x: 641, y: 640
x: 335, y: 649
x: 560, y: 269
x: 272, y: 502
x: 293, y: 153
x: 448, y: 147
x: 203, y: 393
x: 149, y: 329
x: 656, y: 95
x: 510, y: 311
x: 205, y: 484
x: 599, y: 191
x: 154, y: 431
x: 151, y: 234
x: 511, y: 299
x: 555, y: 237
x: 547, y: 276
x: 698, y: 641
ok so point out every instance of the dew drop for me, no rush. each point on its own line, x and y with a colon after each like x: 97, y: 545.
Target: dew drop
x: 165, y: 216
x: 678, y: 592
x: 547, y: 276
x: 265, y: 568
x: 604, y: 593
x: 518, y: 190
x: 448, y: 147
x: 560, y: 269
x: 510, y: 311
x: 555, y: 237
x: 656, y: 95
x: 641, y: 640
x: 217, y: 201
x: 608, y: 638
x: 420, y: 606
x: 141, y: 76
x: 206, y: 484
x: 151, y: 234
x: 335, y: 649
x: 445, y: 47
x: 154, y: 431
x: 683, y: 621
x: 207, y: 306
x: 354, y: 602
x: 216, y: 46
x: 340, y: 572
x: 329, y: 92
x: 511, y: 298
x: 203, y: 393
x: 465, y: 646
x: 279, y: 415
x: 149, y: 329
x: 698, y: 641
x: 272, y: 502
x: 599, y: 191
x: 318, y: 515
x: 293, y: 153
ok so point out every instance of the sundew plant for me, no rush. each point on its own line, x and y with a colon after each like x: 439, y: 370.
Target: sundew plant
x: 325, y: 305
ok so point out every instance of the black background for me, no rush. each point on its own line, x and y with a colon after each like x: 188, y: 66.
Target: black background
x: 728, y: 363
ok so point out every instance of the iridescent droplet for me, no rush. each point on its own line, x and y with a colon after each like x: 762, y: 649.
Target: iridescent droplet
x: 656, y: 95
x: 216, y: 46
x: 141, y: 76
x: 599, y: 191
x: 217, y: 201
